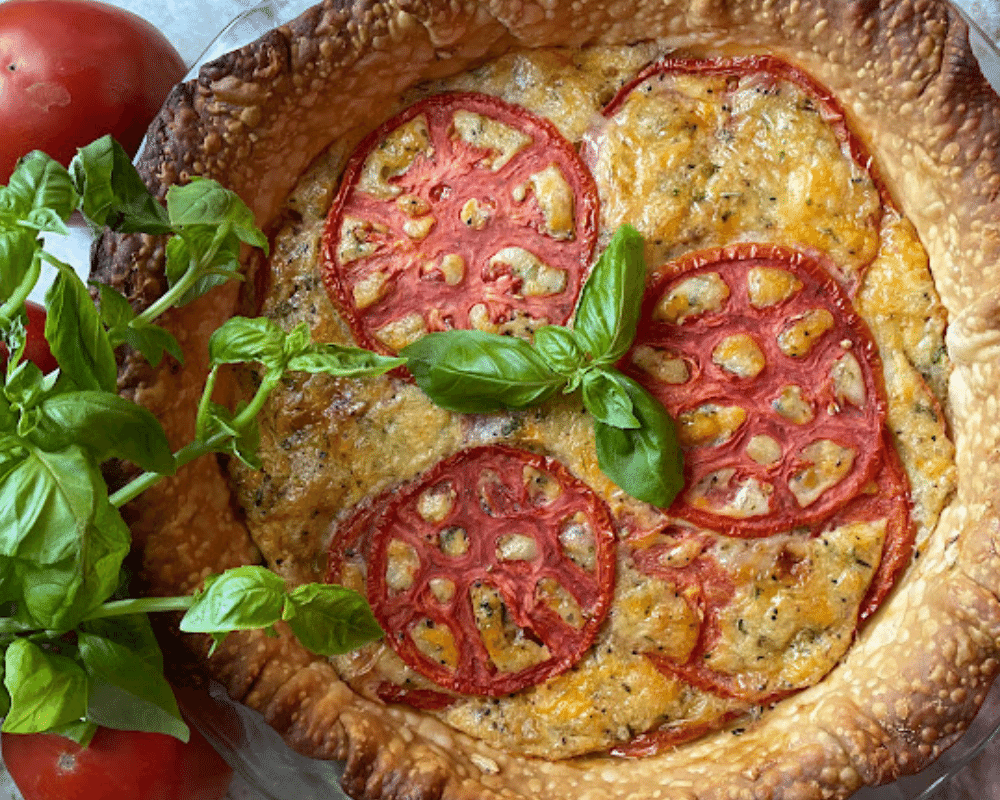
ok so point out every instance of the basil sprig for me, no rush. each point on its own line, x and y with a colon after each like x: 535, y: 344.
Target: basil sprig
x: 75, y: 653
x: 475, y: 372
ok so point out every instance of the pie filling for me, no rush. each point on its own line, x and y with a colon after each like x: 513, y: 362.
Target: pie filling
x: 526, y: 600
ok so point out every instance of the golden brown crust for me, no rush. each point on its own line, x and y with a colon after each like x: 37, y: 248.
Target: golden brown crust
x: 907, y: 77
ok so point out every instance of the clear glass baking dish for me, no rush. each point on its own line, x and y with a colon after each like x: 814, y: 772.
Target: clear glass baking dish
x: 265, y: 768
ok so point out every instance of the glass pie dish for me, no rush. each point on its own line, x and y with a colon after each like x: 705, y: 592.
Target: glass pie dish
x: 266, y: 768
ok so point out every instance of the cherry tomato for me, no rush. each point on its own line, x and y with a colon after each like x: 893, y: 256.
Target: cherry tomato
x: 492, y: 572
x: 463, y: 211
x: 774, y: 381
x: 37, y: 348
x: 72, y: 71
x: 116, y: 765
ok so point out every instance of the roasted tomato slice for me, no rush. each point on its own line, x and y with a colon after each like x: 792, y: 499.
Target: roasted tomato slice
x: 493, y: 572
x: 774, y: 381
x: 463, y: 211
x: 710, y: 588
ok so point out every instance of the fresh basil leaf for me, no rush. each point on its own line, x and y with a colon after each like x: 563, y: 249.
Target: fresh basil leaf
x: 113, y: 194
x: 25, y: 385
x: 19, y: 249
x: 205, y: 202
x: 47, y: 503
x: 115, y: 309
x: 4, y: 694
x: 214, y: 253
x: 77, y: 336
x: 150, y: 340
x: 243, y: 444
x: 342, y: 362
x: 560, y: 349
x: 39, y: 182
x: 44, y: 220
x: 243, y: 339
x: 59, y: 595
x: 80, y: 731
x: 646, y: 462
x: 109, y: 426
x: 607, y: 400
x: 611, y: 299
x: 123, y: 693
x: 475, y: 372
x: 46, y: 690
x: 242, y: 598
x: 329, y: 620
x: 132, y: 631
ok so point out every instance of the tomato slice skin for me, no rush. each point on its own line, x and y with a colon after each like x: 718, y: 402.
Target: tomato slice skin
x: 695, y: 340
x: 887, y: 498
x: 491, y: 501
x: 438, y: 186
x: 116, y: 765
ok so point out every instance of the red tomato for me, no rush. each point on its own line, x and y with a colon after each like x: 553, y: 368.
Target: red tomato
x: 117, y: 765
x: 463, y: 211
x: 72, y: 71
x: 510, y: 530
x: 799, y: 375
x: 37, y: 348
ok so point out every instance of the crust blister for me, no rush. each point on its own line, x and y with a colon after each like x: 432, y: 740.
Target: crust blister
x: 910, y: 83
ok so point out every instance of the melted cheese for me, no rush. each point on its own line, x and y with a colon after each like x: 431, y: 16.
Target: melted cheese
x: 689, y: 174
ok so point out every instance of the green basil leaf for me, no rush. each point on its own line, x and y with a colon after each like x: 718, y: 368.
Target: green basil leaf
x: 560, y: 349
x: 76, y: 334
x: 132, y: 631
x: 150, y: 340
x: 191, y: 249
x: 646, y: 462
x: 243, y: 444
x: 608, y: 400
x: 47, y: 503
x: 474, y: 372
x: 44, y: 220
x: 115, y: 309
x: 110, y: 427
x: 80, y: 731
x: 112, y: 192
x: 59, y: 595
x: 342, y: 362
x: 329, y: 620
x: 25, y: 385
x: 4, y: 694
x: 19, y: 248
x: 611, y: 299
x: 46, y: 690
x: 205, y: 202
x: 242, y: 598
x: 241, y: 339
x: 123, y: 693
x: 39, y: 182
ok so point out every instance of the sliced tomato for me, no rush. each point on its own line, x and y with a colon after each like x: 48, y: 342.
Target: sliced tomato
x: 775, y: 383
x: 886, y: 498
x: 463, y: 211
x: 493, y: 571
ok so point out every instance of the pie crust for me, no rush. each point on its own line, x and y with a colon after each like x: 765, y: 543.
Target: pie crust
x: 906, y: 76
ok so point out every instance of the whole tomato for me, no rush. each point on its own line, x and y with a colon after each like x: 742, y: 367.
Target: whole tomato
x: 72, y: 71
x: 36, y: 349
x: 116, y: 765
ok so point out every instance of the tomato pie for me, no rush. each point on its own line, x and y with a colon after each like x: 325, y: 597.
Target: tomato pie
x: 815, y: 185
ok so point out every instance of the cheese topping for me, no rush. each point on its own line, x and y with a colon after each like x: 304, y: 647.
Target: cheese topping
x: 394, y: 156
x: 696, y: 161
